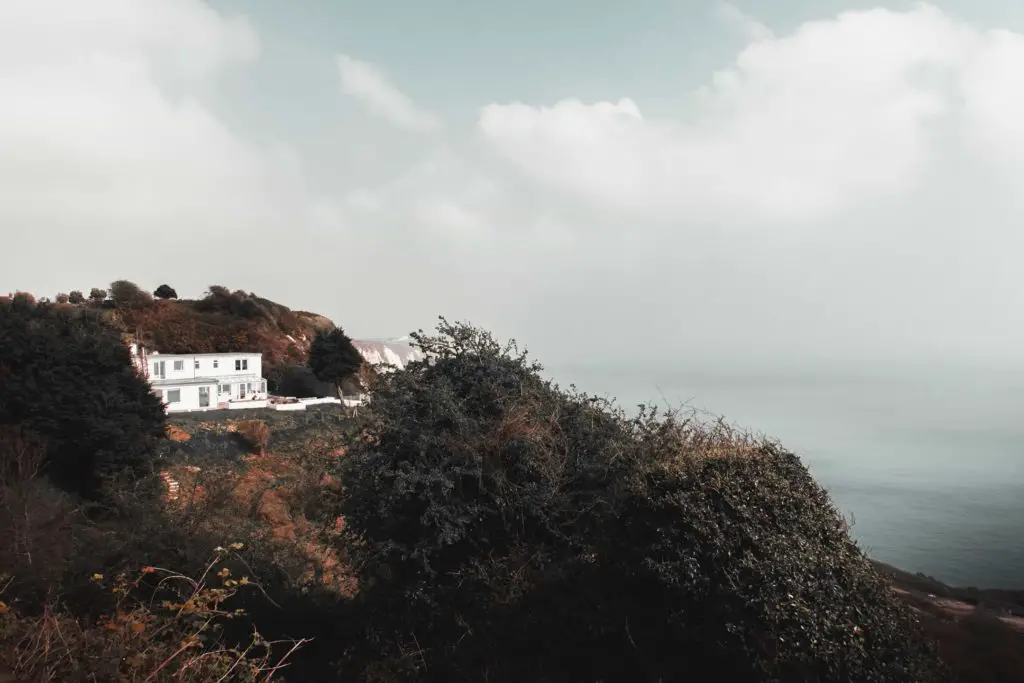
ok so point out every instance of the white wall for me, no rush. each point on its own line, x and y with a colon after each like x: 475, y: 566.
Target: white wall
x: 226, y: 363
x: 189, y: 397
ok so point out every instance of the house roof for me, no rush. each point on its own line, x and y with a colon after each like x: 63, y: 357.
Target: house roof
x: 185, y: 382
x: 229, y: 354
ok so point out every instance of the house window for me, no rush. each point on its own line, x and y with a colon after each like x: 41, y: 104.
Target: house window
x: 179, y: 365
x: 197, y: 363
x: 238, y: 364
x: 216, y: 362
x: 174, y: 395
x: 225, y: 388
x: 242, y: 364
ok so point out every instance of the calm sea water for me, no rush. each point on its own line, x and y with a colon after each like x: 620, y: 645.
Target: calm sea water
x: 928, y: 468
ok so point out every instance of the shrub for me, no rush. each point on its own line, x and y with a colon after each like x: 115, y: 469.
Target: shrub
x: 163, y: 626
x: 23, y: 300
x: 97, y: 295
x: 165, y: 292
x: 508, y: 530
x: 298, y: 381
x: 128, y: 294
x: 76, y: 297
x: 67, y: 377
x: 255, y: 433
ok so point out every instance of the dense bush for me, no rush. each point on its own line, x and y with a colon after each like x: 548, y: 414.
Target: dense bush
x: 67, y: 377
x: 333, y: 358
x: 255, y: 433
x: 165, y: 292
x: 76, y: 297
x: 129, y: 295
x: 298, y: 381
x: 507, y: 530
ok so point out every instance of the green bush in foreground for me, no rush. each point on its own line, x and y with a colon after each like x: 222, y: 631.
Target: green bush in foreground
x: 508, y: 530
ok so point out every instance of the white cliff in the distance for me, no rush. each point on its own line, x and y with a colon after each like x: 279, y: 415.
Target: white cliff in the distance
x: 388, y: 352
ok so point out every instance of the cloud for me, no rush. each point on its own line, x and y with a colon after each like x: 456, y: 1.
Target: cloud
x: 371, y: 88
x: 804, y: 125
x: 747, y: 25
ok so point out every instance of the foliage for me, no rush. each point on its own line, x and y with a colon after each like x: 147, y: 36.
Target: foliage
x: 163, y: 626
x: 23, y: 300
x: 97, y: 295
x: 129, y: 295
x: 62, y: 298
x: 165, y: 292
x: 256, y: 434
x: 67, y: 377
x: 298, y: 381
x: 333, y: 358
x: 76, y: 297
x: 508, y: 530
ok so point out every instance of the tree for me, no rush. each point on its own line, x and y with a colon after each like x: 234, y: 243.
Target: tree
x: 508, y: 530
x: 165, y: 292
x: 333, y: 358
x: 23, y: 300
x: 97, y: 295
x: 76, y: 297
x: 62, y: 298
x: 67, y: 377
x: 128, y: 294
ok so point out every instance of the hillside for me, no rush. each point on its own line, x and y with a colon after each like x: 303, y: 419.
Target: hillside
x: 473, y: 522
x: 222, y: 321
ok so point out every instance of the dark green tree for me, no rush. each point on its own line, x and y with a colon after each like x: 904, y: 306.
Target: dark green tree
x: 165, y: 292
x: 508, y: 530
x: 67, y: 377
x: 333, y: 358
x: 97, y: 295
x: 76, y: 297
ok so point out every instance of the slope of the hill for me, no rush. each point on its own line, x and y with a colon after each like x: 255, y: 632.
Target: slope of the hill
x: 222, y: 321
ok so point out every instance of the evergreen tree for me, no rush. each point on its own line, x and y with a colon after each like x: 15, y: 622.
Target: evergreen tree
x: 66, y: 376
x: 333, y: 358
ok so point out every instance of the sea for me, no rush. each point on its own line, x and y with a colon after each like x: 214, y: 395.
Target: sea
x: 926, y: 465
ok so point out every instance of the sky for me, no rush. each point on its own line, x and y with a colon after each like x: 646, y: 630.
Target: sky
x: 779, y: 182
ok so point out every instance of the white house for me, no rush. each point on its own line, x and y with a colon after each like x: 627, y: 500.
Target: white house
x: 204, y: 381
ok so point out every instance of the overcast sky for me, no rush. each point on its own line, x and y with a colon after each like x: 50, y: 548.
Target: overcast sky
x: 794, y: 179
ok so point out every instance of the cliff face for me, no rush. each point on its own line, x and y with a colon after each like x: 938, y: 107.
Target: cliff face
x: 382, y: 352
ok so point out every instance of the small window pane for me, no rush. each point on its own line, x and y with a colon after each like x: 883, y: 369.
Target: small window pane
x: 179, y: 365
x: 174, y: 396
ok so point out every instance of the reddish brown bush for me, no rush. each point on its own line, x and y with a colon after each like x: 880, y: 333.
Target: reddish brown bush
x: 256, y: 434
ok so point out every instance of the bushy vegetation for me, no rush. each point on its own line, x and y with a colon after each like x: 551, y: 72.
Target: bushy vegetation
x: 333, y: 358
x: 165, y: 292
x: 512, y: 531
x: 66, y: 377
x: 256, y: 434
x: 475, y: 522
x: 163, y: 626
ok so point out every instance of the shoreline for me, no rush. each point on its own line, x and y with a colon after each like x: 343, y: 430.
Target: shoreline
x: 930, y: 595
